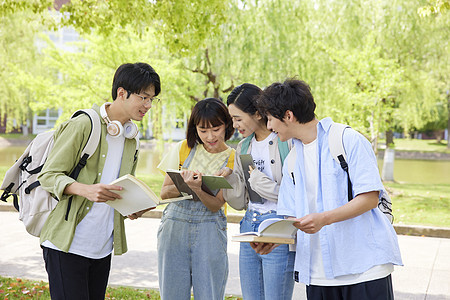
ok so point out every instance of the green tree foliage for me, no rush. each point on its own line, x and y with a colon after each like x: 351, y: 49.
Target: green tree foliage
x: 184, y: 24
x: 114, y: 31
x: 84, y: 76
x: 434, y: 7
x: 20, y: 67
x: 376, y: 65
x: 364, y: 60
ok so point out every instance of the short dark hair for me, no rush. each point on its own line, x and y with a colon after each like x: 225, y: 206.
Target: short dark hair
x: 244, y: 96
x: 294, y: 95
x: 135, y: 78
x: 208, y: 112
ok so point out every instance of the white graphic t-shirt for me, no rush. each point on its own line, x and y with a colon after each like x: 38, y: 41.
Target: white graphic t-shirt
x: 261, y: 159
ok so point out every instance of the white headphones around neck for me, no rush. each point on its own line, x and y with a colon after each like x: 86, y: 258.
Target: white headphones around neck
x: 115, y: 128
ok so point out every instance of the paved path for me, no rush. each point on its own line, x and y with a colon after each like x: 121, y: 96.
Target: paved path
x: 426, y: 274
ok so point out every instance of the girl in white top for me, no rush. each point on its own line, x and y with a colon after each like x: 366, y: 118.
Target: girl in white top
x: 262, y: 276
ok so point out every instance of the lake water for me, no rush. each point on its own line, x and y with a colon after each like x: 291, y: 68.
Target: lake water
x: 411, y: 171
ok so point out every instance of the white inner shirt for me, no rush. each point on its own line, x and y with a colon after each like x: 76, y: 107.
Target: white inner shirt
x: 261, y: 159
x: 94, y: 234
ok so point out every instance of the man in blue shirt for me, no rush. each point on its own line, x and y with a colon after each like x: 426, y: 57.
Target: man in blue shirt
x: 345, y: 249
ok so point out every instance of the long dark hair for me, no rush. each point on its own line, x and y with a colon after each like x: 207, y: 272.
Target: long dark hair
x: 244, y: 96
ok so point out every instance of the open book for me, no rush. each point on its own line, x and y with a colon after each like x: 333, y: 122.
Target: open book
x: 211, y: 184
x: 136, y: 196
x: 277, y: 231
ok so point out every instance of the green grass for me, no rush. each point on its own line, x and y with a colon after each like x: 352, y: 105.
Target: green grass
x: 17, y: 136
x: 420, y: 204
x: 16, y: 288
x: 418, y: 145
x: 2, y: 172
x: 154, y: 181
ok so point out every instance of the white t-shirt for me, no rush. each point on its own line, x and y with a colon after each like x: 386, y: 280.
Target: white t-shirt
x: 261, y: 159
x: 94, y: 234
x: 317, y: 268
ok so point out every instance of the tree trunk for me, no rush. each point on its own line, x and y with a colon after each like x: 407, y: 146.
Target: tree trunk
x: 387, y: 173
x: 157, y: 123
x: 389, y: 139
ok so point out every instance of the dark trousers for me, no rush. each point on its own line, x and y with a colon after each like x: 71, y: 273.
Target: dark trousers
x: 72, y: 276
x: 379, y: 289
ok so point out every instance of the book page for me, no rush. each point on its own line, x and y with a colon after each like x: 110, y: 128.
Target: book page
x: 277, y: 227
x: 262, y: 239
x: 247, y: 233
x: 136, y: 196
x: 210, y: 184
x: 170, y: 200
x: 273, y: 227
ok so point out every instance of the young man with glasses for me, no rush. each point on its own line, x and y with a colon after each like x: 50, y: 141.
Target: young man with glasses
x: 79, y: 235
x: 345, y: 249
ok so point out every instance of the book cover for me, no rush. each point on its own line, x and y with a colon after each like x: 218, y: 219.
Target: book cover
x: 246, y: 162
x: 136, y: 196
x: 211, y: 184
x: 277, y: 231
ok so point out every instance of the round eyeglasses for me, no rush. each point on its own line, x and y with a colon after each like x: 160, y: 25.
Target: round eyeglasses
x: 146, y: 99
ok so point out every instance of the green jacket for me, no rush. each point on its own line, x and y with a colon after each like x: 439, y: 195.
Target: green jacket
x: 69, y: 140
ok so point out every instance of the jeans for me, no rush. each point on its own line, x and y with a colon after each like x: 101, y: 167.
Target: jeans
x: 267, y: 276
x: 192, y: 252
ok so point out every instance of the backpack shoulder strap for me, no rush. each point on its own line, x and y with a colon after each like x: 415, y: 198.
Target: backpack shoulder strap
x: 89, y: 148
x: 186, y: 154
x: 290, y: 162
x: 335, y: 140
x: 337, y: 151
x: 184, y: 151
x: 230, y: 161
x: 137, y: 147
x: 94, y: 136
x: 93, y: 140
x: 283, y: 148
x: 246, y: 143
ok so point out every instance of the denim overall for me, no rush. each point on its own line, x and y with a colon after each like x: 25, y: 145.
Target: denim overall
x: 192, y: 251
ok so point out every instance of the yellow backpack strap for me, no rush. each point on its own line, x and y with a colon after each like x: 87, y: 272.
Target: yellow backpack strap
x: 230, y: 163
x: 184, y: 153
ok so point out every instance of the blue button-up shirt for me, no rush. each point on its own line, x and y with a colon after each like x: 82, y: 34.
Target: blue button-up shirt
x: 352, y: 246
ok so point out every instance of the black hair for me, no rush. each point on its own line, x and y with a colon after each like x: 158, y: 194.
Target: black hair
x: 244, y: 97
x: 294, y: 95
x: 208, y: 112
x: 135, y: 78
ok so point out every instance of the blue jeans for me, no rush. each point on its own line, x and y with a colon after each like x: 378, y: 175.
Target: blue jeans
x: 267, y: 276
x: 192, y: 252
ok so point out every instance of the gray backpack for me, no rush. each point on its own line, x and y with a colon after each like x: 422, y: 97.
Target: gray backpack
x: 34, y: 203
